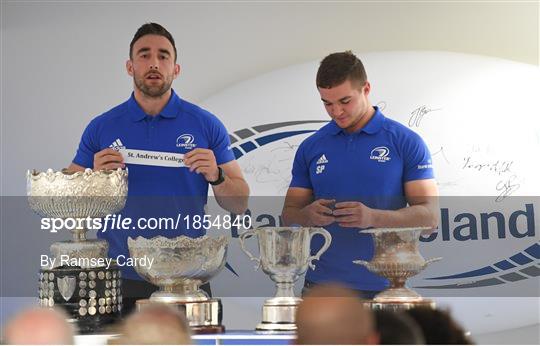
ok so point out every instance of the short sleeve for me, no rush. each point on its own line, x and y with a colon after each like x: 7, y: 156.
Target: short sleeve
x: 418, y: 164
x: 88, y: 146
x: 300, y: 170
x: 220, y: 143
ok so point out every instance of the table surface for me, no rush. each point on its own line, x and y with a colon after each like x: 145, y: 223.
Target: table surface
x: 232, y: 337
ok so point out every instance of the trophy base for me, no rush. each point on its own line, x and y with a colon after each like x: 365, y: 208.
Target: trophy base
x: 208, y: 329
x: 90, y: 296
x: 276, y: 327
x: 279, y: 317
x: 397, y: 294
x: 399, y: 298
x: 204, y: 317
x: 400, y: 305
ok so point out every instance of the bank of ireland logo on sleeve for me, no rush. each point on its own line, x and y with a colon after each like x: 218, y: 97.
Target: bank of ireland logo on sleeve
x: 186, y: 141
x: 427, y: 165
x: 380, y: 154
x: 321, y: 164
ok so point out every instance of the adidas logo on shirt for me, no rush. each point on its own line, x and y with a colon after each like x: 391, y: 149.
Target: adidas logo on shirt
x: 322, y: 160
x: 117, y: 144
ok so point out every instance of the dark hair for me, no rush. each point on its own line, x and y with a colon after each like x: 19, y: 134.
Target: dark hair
x: 336, y: 68
x: 151, y: 29
x: 397, y: 328
x: 439, y: 327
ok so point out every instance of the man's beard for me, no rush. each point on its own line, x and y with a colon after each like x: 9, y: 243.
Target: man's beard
x: 153, y: 91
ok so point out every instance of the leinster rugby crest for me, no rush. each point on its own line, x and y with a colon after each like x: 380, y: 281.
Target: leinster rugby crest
x: 380, y: 154
x: 186, y: 141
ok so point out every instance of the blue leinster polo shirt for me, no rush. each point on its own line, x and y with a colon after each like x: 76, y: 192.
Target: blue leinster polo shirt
x: 370, y: 166
x: 156, y: 191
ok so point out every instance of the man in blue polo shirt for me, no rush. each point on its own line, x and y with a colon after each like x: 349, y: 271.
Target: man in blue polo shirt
x: 361, y: 170
x: 173, y: 150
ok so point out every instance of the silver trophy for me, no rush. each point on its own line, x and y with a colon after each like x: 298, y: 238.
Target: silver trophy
x: 79, y: 281
x: 397, y: 258
x: 284, y: 256
x: 179, y: 266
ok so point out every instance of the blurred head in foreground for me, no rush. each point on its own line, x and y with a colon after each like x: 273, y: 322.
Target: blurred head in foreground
x: 331, y: 314
x: 156, y: 324
x: 439, y: 327
x: 397, y: 328
x: 39, y: 326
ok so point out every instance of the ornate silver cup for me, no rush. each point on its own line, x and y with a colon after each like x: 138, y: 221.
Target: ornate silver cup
x: 79, y: 195
x: 397, y: 258
x: 284, y: 256
x: 88, y: 290
x: 179, y: 266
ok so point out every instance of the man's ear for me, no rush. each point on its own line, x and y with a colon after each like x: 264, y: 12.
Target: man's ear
x: 177, y: 69
x: 367, y: 88
x: 129, y: 67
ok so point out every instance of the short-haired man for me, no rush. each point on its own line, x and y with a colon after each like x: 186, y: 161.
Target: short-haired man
x: 155, y: 122
x: 361, y: 170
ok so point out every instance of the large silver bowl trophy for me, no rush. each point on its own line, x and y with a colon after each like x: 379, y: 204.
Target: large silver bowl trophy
x: 284, y: 256
x: 397, y: 258
x: 180, y: 266
x: 79, y: 280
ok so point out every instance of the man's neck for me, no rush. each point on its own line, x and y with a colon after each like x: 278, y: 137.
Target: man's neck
x: 365, y: 119
x: 152, y: 105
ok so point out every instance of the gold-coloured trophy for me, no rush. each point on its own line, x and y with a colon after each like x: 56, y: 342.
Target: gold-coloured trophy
x: 397, y: 258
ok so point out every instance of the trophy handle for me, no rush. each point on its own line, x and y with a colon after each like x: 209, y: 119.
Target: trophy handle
x: 242, y: 236
x: 429, y: 261
x: 363, y: 263
x: 327, y: 241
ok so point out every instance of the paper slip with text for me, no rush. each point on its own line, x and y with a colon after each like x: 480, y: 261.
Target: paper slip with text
x: 152, y: 158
